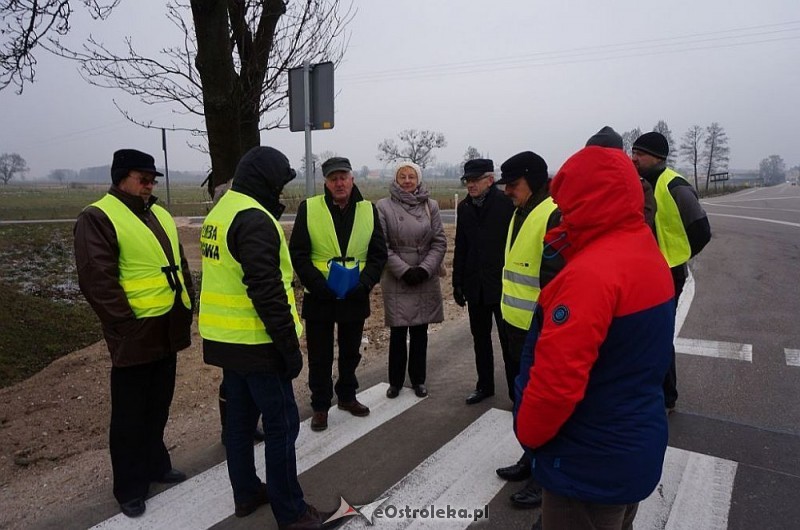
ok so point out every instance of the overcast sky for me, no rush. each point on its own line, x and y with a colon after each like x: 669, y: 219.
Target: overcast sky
x: 503, y: 76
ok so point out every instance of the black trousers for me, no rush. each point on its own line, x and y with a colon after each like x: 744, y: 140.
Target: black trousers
x: 671, y: 379
x: 480, y: 325
x: 140, y: 400
x: 415, y: 355
x: 319, y: 339
x: 513, y: 354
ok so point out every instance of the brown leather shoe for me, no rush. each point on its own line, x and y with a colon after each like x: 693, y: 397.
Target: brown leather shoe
x: 319, y: 421
x: 355, y: 408
x: 312, y: 520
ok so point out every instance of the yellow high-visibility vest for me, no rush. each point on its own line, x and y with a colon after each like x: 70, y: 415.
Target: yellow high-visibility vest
x: 672, y: 238
x: 226, y: 311
x: 523, y: 260
x: 325, y: 244
x: 141, y: 259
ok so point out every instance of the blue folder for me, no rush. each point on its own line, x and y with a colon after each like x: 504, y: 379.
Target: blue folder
x: 342, y: 279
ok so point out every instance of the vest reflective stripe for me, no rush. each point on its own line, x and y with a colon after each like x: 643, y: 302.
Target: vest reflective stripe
x: 325, y: 244
x: 226, y: 312
x: 141, y: 258
x: 523, y: 260
x: 672, y: 238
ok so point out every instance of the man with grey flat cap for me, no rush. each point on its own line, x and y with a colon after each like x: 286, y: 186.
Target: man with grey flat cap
x: 337, y: 229
x: 529, y: 265
x: 132, y: 271
x: 483, y: 219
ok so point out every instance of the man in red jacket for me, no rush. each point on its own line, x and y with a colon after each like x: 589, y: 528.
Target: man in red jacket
x: 590, y: 408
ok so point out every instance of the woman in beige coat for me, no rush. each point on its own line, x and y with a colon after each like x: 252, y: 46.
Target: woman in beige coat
x: 412, y: 296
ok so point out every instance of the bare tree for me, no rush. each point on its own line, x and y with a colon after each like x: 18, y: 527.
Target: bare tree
x: 10, y: 165
x: 29, y: 25
x: 471, y: 153
x: 715, y: 151
x: 690, y: 148
x: 628, y: 137
x: 773, y: 170
x: 663, y: 128
x: 416, y: 146
x: 229, y: 68
x: 62, y: 175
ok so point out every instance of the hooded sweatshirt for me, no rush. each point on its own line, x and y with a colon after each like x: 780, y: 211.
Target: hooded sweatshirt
x: 254, y: 242
x: 591, y: 405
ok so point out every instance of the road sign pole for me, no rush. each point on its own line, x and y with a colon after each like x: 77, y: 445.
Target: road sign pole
x: 307, y: 121
x: 166, y: 164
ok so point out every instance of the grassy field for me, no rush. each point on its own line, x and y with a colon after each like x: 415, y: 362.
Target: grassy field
x: 47, y: 201
x: 43, y: 314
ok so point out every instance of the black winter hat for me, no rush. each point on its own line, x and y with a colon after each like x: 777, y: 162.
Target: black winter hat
x: 477, y: 167
x: 606, y: 137
x: 130, y: 159
x: 525, y: 164
x: 652, y: 143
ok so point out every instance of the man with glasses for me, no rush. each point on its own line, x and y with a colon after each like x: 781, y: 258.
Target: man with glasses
x: 132, y: 271
x: 338, y: 228
x: 483, y: 219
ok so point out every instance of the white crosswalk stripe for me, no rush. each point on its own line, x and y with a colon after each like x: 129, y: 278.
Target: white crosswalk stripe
x: 695, y: 489
x: 206, y: 499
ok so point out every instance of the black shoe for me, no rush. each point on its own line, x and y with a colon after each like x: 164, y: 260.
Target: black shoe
x: 528, y: 497
x: 420, y: 390
x: 515, y: 473
x: 392, y: 392
x: 173, y: 476
x: 477, y: 396
x: 133, y: 508
x: 243, y: 509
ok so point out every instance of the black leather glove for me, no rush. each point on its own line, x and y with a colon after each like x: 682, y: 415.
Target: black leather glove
x: 359, y: 293
x: 294, y: 364
x: 322, y: 292
x: 458, y: 295
x: 415, y: 276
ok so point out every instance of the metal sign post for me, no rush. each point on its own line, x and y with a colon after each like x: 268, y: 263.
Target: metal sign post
x: 166, y: 164
x: 308, y: 124
x: 310, y: 106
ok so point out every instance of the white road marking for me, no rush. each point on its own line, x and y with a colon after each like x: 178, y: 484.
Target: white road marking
x: 752, y: 200
x: 206, y: 499
x: 684, y: 302
x: 792, y: 357
x: 460, y: 474
x: 773, y: 221
x: 694, y: 492
x: 716, y: 349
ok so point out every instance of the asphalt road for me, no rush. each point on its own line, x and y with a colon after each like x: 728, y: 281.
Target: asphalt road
x: 734, y: 440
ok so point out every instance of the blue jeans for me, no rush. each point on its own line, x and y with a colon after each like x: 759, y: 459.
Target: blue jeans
x: 248, y: 395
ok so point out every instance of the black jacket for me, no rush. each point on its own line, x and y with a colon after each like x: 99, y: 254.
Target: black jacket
x: 318, y: 304
x: 130, y: 341
x: 254, y: 241
x: 480, y: 245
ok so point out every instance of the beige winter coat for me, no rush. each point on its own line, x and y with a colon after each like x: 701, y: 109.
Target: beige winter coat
x: 414, y: 237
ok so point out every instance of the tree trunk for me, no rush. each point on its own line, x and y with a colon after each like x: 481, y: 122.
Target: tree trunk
x: 221, y: 91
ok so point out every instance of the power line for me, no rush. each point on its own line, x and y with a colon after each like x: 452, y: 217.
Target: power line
x: 605, y: 52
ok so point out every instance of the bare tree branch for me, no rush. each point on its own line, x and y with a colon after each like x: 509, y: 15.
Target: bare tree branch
x: 24, y: 24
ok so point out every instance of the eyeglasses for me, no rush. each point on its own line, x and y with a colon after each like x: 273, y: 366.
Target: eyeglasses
x: 465, y: 180
x: 147, y: 181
